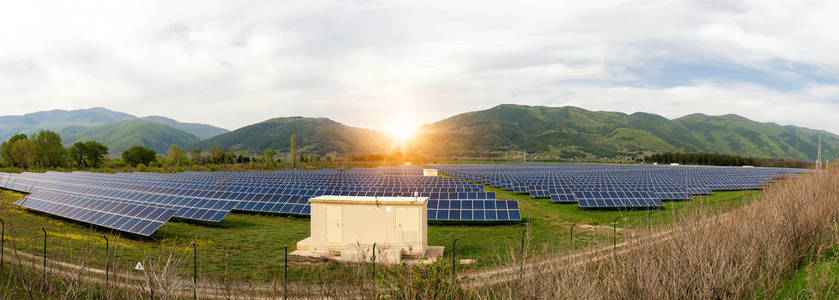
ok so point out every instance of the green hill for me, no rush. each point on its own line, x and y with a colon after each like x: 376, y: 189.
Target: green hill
x: 68, y: 122
x: 547, y: 132
x: 571, y: 132
x: 202, y: 131
x: 314, y: 135
x: 61, y: 121
x: 122, y: 135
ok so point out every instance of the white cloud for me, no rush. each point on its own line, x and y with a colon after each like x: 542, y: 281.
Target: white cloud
x: 374, y: 63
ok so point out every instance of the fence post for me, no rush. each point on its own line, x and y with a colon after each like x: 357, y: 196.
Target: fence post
x: 194, y: 271
x: 285, y: 272
x: 521, y: 262
x: 374, y: 261
x: 107, y: 256
x: 454, y: 258
x: 615, y: 233
x: 45, y: 254
x: 649, y: 217
x: 572, y: 236
x: 2, y: 245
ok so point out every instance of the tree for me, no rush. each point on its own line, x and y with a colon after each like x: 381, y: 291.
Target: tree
x: 78, y: 153
x: 196, y: 156
x: 95, y: 153
x: 216, y: 155
x: 293, y: 141
x: 88, y: 154
x: 175, y: 155
x: 6, y: 149
x: 268, y: 155
x: 137, y: 155
x: 49, y: 152
x: 23, y: 153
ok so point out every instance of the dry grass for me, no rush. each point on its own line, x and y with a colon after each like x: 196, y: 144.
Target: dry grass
x: 747, y: 253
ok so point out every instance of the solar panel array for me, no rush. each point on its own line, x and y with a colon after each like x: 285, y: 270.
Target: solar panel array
x: 615, y: 186
x: 141, y: 202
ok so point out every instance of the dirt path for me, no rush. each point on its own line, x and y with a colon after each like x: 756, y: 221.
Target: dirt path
x: 531, y: 267
x: 183, y: 288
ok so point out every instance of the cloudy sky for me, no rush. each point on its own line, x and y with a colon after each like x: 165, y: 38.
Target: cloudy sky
x: 375, y: 64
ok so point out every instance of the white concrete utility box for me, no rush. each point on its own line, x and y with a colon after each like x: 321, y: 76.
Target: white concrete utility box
x: 429, y: 172
x: 346, y: 227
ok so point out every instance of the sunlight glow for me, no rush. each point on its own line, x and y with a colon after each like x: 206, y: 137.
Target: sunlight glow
x: 402, y: 131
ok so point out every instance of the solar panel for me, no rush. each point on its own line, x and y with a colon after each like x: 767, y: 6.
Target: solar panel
x: 118, y: 215
x: 211, y: 196
x: 562, y: 182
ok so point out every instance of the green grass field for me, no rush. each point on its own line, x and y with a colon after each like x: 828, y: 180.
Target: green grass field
x: 250, y: 246
x: 817, y: 279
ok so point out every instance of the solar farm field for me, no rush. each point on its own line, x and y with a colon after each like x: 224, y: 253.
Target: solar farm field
x: 140, y: 203
x: 616, y: 186
x: 242, y: 221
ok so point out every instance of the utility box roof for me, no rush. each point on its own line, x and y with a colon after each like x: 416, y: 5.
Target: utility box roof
x: 370, y: 200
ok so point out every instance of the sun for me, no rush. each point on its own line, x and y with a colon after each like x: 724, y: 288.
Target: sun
x: 402, y: 131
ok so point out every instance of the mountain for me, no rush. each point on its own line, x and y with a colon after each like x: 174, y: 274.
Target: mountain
x: 61, y: 121
x: 547, y: 132
x: 122, y: 135
x: 202, y: 131
x: 75, y: 121
x: 571, y: 132
x: 109, y: 127
x: 313, y: 135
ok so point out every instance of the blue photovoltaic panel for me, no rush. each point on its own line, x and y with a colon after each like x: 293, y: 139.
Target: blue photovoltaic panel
x: 123, y: 216
x: 103, y: 186
x: 211, y: 196
x: 564, y: 183
x: 616, y: 198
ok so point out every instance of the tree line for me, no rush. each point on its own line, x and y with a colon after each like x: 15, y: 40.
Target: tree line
x: 45, y: 150
x: 714, y: 159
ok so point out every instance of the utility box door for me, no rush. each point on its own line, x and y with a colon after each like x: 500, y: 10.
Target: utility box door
x: 407, y: 229
x: 334, y: 232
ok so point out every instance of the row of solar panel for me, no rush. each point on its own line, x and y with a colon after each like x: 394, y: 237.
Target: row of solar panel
x: 217, y: 192
x: 188, y: 208
x: 614, y: 185
x: 138, y: 219
x: 256, y: 187
x: 474, y: 215
x: 124, y: 191
x: 309, y: 192
x: 473, y: 204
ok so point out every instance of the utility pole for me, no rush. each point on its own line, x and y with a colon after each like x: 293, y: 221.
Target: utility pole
x: 819, y: 157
